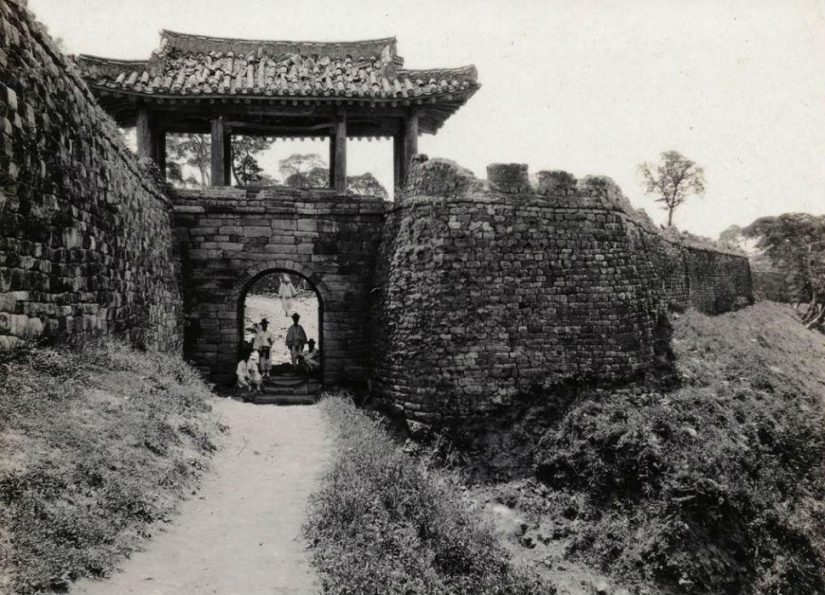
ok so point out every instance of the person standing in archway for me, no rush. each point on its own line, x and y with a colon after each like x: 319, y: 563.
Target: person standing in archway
x: 263, y: 345
x: 286, y: 291
x: 296, y: 338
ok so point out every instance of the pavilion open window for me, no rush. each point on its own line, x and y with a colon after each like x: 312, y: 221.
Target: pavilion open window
x: 219, y: 87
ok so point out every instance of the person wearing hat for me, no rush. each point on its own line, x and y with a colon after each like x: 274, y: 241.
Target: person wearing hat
x: 296, y: 338
x: 312, y: 358
x: 263, y: 344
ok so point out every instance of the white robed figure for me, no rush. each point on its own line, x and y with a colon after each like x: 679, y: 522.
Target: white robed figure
x: 287, y: 291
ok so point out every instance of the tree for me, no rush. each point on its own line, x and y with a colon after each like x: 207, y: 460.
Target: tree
x: 194, y: 151
x: 674, y: 179
x: 175, y: 175
x: 311, y: 171
x: 366, y: 185
x: 300, y: 164
x: 731, y: 237
x: 191, y: 150
x: 245, y: 167
x: 317, y: 177
x: 795, y: 244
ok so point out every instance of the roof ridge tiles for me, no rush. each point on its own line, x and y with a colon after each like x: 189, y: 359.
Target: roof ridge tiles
x: 206, y: 43
x: 101, y: 59
x: 389, y: 39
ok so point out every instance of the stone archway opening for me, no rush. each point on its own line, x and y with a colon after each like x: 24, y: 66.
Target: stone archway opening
x: 275, y: 295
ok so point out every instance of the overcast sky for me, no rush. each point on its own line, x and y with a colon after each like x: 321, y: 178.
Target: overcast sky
x: 591, y: 87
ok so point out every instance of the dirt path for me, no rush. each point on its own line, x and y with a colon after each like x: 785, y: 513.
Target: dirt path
x: 241, y: 534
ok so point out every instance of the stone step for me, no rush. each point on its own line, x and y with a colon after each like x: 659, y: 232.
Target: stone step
x: 284, y: 399
x: 290, y: 383
x: 291, y: 387
x: 280, y: 381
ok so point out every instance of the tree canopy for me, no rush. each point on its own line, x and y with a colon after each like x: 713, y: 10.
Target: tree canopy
x: 298, y: 163
x: 366, y: 185
x: 311, y: 171
x: 674, y: 179
x: 795, y: 244
x: 317, y: 177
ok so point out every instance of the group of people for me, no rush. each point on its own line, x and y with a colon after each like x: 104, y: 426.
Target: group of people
x: 256, y: 363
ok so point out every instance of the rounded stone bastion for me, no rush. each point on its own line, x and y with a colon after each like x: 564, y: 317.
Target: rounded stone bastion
x: 485, y: 289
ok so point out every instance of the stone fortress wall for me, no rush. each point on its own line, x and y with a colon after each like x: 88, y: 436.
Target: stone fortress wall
x: 486, y: 290
x: 86, y: 244
x: 451, y: 301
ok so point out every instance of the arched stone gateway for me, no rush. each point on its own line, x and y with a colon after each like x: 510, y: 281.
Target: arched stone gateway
x: 255, y: 274
x: 230, y: 238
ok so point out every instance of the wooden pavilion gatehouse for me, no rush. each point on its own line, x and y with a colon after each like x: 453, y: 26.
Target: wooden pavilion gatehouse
x: 281, y: 89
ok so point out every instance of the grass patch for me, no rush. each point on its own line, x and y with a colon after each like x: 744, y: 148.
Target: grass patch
x: 97, y: 445
x: 716, y: 487
x: 384, y: 523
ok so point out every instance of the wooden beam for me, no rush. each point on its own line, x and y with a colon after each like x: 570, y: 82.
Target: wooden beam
x: 218, y: 150
x: 341, y: 153
x: 251, y: 128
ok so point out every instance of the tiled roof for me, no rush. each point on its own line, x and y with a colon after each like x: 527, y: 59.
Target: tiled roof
x: 190, y: 65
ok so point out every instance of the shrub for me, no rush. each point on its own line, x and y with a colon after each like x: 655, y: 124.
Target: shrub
x: 386, y: 524
x: 716, y: 487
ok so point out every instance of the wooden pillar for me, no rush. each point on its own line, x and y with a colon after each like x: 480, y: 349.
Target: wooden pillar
x: 397, y: 158
x: 227, y: 158
x: 332, y: 159
x: 160, y: 152
x: 146, y: 133
x: 218, y: 173
x: 340, y: 162
x: 410, y: 138
x: 408, y: 148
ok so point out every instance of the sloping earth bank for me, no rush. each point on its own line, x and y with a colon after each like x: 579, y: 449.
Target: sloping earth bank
x: 711, y: 480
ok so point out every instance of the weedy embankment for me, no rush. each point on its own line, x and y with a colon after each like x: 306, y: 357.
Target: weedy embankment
x: 97, y: 444
x: 713, y: 486
x: 384, y: 523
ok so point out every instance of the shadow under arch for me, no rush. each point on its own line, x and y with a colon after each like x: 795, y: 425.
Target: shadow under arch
x: 252, y: 274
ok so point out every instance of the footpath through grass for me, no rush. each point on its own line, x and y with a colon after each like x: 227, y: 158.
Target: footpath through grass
x: 96, y: 445
x: 385, y: 524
